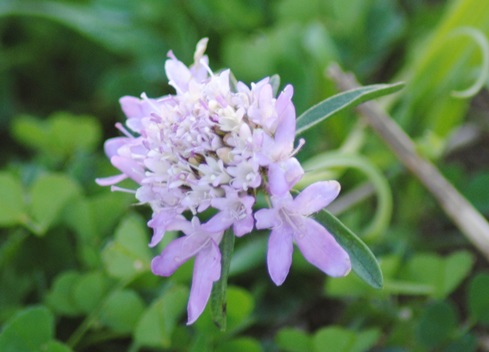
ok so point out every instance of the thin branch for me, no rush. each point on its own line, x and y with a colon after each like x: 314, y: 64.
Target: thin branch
x: 470, y: 222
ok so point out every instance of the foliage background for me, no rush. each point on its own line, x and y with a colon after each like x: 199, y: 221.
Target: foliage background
x: 74, y: 261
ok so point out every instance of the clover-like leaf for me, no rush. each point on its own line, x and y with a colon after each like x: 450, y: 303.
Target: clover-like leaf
x: 128, y: 254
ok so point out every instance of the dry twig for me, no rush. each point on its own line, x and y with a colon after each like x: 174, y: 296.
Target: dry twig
x: 472, y: 224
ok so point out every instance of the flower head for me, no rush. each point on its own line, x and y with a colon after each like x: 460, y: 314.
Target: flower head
x: 216, y: 145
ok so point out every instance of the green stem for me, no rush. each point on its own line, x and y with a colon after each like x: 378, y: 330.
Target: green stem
x: 218, y: 295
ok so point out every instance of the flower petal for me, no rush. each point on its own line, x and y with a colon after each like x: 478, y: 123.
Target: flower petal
x: 178, y: 74
x: 111, y: 180
x: 207, y: 269
x: 219, y: 222
x: 285, y: 133
x: 243, y: 226
x: 279, y: 255
x: 178, y: 252
x: 316, y: 196
x: 128, y: 166
x: 111, y: 146
x: 267, y: 219
x: 277, y: 181
x: 321, y: 250
x: 160, y: 222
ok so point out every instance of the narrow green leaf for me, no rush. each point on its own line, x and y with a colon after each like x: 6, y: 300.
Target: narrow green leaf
x: 362, y: 259
x: 218, y: 295
x: 343, y: 101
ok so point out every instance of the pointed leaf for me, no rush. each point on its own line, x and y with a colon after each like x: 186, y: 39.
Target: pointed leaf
x: 362, y: 259
x: 342, y: 101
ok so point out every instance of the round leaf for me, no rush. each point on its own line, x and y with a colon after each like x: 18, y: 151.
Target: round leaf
x: 437, y: 323
x: 293, y: 340
x: 60, y: 297
x: 122, y: 311
x: 89, y: 291
x: 128, y: 255
x: 11, y: 200
x: 158, y: 322
x: 479, y: 298
x: 28, y: 331
x: 49, y: 196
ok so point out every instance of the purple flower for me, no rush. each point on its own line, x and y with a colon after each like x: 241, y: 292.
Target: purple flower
x: 235, y: 210
x: 202, y: 244
x: 216, y: 145
x: 289, y: 221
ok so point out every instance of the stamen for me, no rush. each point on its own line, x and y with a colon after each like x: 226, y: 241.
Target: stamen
x: 121, y: 128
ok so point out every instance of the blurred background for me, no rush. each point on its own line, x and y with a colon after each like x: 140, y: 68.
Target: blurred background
x: 74, y: 256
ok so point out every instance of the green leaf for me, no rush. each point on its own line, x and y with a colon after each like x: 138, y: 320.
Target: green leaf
x: 29, y: 331
x: 60, y: 298
x: 242, y: 344
x: 436, y: 324
x: 456, y: 268
x: 218, y: 294
x: 478, y: 298
x: 443, y: 274
x: 293, y: 340
x: 338, y: 339
x: 11, y: 200
x: 56, y: 346
x: 248, y: 255
x: 158, y: 322
x: 89, y: 290
x: 128, y: 254
x: 60, y: 136
x: 362, y: 259
x: 365, y: 340
x: 49, y: 196
x: 122, y: 311
x: 341, y: 102
x: 353, y: 286
x: 466, y: 343
x: 240, y: 305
